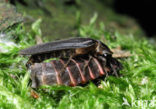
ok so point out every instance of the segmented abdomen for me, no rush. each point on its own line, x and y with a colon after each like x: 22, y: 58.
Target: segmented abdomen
x: 74, y: 74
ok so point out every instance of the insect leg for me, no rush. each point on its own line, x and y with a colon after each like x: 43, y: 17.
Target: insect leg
x: 86, y: 64
x: 114, y: 70
x: 66, y: 64
x: 30, y: 62
x: 115, y: 66
x: 104, y: 63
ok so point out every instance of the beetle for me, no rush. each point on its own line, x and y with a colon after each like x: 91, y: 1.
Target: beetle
x: 67, y: 48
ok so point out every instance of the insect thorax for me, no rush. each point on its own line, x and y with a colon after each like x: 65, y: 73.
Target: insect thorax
x: 37, y: 58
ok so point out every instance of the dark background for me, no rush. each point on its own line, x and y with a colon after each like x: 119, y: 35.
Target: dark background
x: 144, y: 11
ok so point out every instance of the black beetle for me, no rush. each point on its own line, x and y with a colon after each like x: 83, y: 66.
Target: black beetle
x: 80, y: 60
x: 68, y: 48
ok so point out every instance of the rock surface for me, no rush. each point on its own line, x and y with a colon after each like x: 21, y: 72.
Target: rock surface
x: 8, y: 16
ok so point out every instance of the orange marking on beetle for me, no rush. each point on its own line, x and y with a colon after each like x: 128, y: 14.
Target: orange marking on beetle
x: 58, y: 78
x: 73, y: 81
x: 99, y: 66
x: 81, y: 74
x: 91, y: 73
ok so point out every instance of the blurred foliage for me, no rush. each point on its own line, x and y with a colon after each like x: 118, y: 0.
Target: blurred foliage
x: 60, y: 18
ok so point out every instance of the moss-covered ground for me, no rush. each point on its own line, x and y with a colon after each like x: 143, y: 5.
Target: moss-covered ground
x: 134, y: 89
